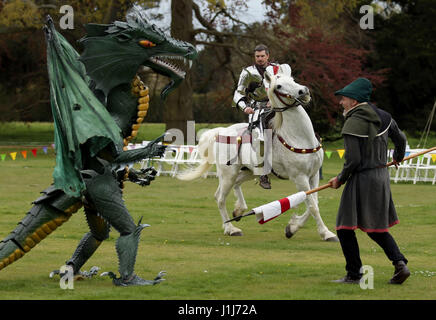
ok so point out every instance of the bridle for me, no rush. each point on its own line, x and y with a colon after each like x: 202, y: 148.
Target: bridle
x: 279, y: 95
x: 296, y: 103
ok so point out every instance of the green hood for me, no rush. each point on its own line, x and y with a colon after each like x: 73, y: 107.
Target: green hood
x: 362, y: 121
x: 359, y: 90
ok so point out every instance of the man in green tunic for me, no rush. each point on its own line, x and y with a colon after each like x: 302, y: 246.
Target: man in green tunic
x: 366, y: 201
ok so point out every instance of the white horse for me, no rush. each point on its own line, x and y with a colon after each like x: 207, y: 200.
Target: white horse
x: 292, y: 132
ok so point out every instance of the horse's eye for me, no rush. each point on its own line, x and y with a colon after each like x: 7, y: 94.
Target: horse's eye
x: 279, y: 86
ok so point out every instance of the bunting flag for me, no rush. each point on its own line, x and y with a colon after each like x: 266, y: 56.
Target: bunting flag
x: 272, y: 210
x: 341, y: 152
x: 433, y: 157
x: 24, y: 153
x: 328, y: 154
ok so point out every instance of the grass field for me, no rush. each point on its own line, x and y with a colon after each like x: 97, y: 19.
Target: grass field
x: 186, y: 240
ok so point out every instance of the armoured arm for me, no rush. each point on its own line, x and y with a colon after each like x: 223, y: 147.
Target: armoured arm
x: 240, y: 99
x: 352, y: 157
x: 399, y: 140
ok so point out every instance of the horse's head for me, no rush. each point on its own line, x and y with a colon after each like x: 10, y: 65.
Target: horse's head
x: 283, y: 91
x: 114, y: 52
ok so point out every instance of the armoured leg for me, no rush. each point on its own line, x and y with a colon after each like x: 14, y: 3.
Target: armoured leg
x: 50, y: 211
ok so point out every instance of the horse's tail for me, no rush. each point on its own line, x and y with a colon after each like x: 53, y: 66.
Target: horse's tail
x: 206, y: 154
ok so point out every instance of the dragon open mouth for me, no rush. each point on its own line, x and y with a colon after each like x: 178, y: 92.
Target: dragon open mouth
x: 173, y: 64
x: 174, y: 67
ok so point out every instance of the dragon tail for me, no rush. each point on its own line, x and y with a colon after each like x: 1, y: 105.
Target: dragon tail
x: 48, y: 213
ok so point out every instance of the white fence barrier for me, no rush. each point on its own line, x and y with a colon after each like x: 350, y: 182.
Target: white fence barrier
x: 175, y: 158
x: 179, y: 157
x: 419, y: 169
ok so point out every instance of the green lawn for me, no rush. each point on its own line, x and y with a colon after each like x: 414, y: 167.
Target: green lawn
x: 186, y: 240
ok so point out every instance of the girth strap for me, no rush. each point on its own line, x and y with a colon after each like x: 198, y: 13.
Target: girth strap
x: 246, y: 138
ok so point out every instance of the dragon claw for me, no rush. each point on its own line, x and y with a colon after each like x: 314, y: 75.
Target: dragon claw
x: 53, y: 273
x: 80, y: 275
x: 159, y: 278
x: 134, y: 280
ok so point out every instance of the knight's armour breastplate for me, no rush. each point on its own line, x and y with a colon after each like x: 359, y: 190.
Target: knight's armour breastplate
x: 253, y: 81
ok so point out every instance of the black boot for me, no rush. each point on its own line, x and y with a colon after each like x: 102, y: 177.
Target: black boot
x: 348, y: 279
x: 401, y: 273
x: 264, y: 182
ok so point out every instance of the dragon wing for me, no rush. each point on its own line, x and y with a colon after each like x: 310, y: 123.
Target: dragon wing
x: 79, y: 117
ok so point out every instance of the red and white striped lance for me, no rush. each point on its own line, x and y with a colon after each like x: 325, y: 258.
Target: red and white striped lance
x: 272, y: 210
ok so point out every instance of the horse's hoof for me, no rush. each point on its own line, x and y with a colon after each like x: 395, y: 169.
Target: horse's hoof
x: 332, y: 239
x: 288, y: 232
x: 237, y: 234
x: 235, y: 216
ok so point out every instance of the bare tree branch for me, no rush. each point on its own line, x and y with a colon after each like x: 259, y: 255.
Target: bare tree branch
x: 222, y: 34
x: 200, y: 18
x: 216, y: 44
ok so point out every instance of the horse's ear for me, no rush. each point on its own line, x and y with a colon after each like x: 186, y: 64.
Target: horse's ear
x: 285, y: 69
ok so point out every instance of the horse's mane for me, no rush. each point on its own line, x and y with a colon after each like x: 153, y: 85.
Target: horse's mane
x: 277, y: 121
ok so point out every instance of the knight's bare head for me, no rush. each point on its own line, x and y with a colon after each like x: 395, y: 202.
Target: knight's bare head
x: 261, y: 55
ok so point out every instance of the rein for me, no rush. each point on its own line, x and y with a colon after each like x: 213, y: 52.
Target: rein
x: 280, y: 95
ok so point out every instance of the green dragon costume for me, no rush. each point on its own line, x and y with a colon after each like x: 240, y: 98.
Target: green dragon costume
x: 98, y: 102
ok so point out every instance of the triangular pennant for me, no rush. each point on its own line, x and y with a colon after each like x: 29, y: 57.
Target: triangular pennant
x: 341, y: 153
x: 407, y: 154
x: 3, y: 156
x: 433, y: 157
x: 328, y: 154
x: 53, y: 145
x: 190, y: 149
x: 13, y: 155
x: 34, y: 152
x: 44, y: 149
x: 24, y: 154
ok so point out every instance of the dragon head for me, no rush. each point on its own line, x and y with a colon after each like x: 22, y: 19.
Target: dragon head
x: 113, y: 53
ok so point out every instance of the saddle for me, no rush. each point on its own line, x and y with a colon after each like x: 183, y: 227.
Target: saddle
x: 246, y: 134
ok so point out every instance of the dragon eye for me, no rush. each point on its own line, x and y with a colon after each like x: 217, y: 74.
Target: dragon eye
x: 146, y: 43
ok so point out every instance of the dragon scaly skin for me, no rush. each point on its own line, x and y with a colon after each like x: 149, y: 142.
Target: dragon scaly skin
x: 98, y: 102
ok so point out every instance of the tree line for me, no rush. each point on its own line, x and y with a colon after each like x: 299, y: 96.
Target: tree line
x: 323, y: 42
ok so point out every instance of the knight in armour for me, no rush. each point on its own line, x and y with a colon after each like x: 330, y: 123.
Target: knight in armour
x: 251, y: 97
